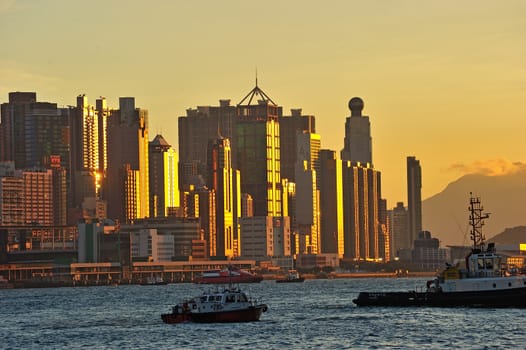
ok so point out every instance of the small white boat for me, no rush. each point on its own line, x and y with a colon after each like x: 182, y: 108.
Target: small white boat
x: 220, y: 305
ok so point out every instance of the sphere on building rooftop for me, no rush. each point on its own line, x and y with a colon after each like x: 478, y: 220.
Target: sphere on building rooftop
x: 356, y: 106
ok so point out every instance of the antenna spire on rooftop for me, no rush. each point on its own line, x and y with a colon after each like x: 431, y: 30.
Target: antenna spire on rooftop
x: 256, y: 92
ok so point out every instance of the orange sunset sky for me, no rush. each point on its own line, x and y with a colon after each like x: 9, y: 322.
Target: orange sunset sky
x: 444, y: 81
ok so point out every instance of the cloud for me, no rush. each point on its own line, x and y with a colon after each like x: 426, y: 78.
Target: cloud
x: 490, y: 167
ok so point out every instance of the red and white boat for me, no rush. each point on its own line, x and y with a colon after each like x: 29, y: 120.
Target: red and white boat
x: 227, y: 276
x: 226, y: 305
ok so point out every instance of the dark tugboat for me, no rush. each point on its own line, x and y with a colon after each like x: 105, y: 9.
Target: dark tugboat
x: 484, y: 282
x: 225, y: 305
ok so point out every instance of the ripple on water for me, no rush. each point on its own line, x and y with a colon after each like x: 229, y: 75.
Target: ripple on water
x: 315, y: 314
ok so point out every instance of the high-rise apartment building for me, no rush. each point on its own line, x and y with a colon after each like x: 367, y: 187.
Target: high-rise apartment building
x: 12, y: 211
x: 34, y: 131
x: 331, y: 203
x: 414, y: 197
x: 86, y: 172
x: 222, y: 179
x: 36, y: 135
x: 361, y: 197
x: 307, y: 192
x: 127, y: 177
x: 288, y: 128
x: 38, y: 197
x: 103, y: 113
x: 163, y: 177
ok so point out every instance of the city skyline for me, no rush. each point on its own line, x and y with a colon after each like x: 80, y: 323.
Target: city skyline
x: 435, y: 77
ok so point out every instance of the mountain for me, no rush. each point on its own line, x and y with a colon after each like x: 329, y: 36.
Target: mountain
x: 513, y: 235
x: 446, y: 214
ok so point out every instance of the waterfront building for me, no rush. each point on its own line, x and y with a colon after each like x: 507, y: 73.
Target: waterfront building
x: 127, y: 177
x: 164, y: 239
x: 288, y: 127
x: 331, y: 203
x: 103, y: 242
x: 414, y: 197
x: 163, y: 178
x: 427, y: 254
x: 265, y: 237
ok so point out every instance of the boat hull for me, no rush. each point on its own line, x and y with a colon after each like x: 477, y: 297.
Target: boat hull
x: 175, y: 318
x: 515, y: 298
x: 250, y: 314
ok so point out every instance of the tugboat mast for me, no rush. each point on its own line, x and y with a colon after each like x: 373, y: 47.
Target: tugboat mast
x: 476, y: 221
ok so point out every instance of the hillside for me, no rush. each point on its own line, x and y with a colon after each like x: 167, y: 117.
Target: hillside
x: 513, y: 235
x: 446, y: 213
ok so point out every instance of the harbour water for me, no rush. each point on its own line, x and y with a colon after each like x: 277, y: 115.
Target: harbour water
x: 316, y: 314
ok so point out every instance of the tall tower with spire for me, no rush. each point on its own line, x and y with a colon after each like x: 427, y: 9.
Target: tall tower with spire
x: 257, y: 151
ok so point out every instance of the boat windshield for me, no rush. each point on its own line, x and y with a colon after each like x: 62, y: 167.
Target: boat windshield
x: 485, y: 265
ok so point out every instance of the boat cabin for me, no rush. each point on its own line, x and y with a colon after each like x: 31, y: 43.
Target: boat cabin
x: 484, y: 264
x: 223, y: 297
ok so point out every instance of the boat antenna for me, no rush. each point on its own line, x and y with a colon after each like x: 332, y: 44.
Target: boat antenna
x: 476, y: 221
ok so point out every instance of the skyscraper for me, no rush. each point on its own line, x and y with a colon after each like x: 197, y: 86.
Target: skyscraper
x: 127, y: 179
x: 36, y: 135
x: 84, y: 128
x: 361, y: 189
x: 331, y: 203
x: 195, y: 130
x: 307, y: 197
x: 414, y: 197
x: 221, y: 179
x: 257, y: 152
x: 361, y: 198
x: 163, y: 178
